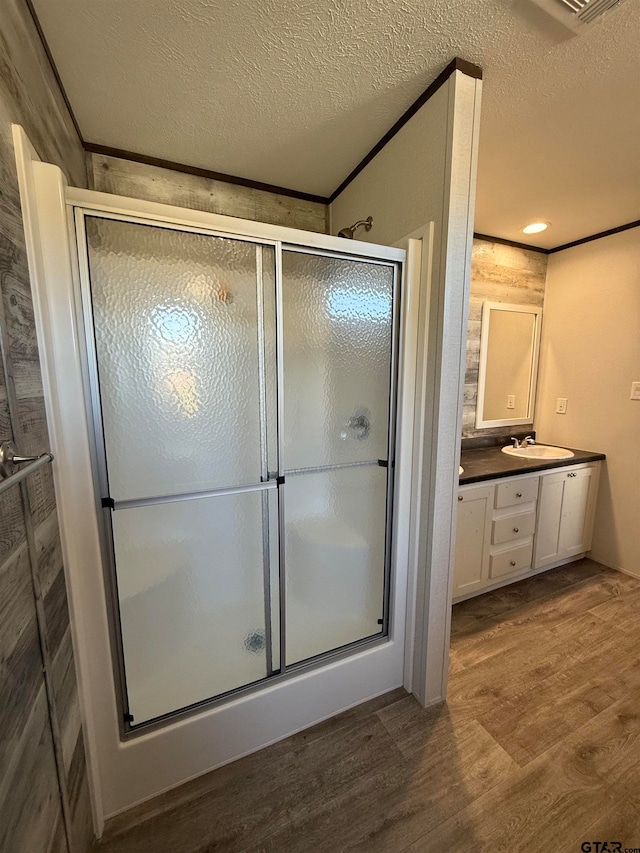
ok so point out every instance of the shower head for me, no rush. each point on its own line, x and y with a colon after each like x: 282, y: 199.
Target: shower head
x: 349, y: 232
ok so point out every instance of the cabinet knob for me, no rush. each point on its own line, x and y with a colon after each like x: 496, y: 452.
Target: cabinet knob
x: 459, y: 497
x: 516, y: 530
x: 513, y: 562
x: 518, y: 494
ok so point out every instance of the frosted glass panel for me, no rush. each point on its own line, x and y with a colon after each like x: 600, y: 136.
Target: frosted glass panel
x: 177, y: 334
x: 185, y: 340
x: 192, y: 604
x: 335, y: 557
x: 337, y: 329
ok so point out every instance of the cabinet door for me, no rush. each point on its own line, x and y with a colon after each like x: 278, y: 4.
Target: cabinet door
x: 565, y: 514
x: 549, y: 513
x: 472, y: 537
x: 575, y: 522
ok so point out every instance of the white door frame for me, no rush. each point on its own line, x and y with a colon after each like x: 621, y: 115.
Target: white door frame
x: 125, y: 773
x: 419, y: 248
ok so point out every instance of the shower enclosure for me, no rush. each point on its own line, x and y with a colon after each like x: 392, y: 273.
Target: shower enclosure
x: 242, y: 395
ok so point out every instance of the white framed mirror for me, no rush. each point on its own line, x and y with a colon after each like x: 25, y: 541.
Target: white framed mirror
x: 509, y: 347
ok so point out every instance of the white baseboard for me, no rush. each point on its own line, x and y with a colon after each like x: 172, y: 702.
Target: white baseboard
x: 610, y: 565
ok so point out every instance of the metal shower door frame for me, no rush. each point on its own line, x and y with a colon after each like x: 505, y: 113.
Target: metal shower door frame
x: 391, y: 436
x: 104, y: 508
x: 105, y: 505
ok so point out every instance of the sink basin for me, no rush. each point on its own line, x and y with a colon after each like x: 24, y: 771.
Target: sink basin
x: 538, y: 451
x: 460, y: 470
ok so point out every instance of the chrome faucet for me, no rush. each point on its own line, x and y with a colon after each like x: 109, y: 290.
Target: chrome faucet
x: 527, y: 440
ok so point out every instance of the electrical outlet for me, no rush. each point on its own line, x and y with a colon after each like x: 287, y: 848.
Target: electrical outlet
x: 635, y: 390
x: 561, y: 406
x: 511, y: 401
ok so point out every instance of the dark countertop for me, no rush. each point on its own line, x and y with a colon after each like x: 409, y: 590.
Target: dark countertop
x: 490, y: 463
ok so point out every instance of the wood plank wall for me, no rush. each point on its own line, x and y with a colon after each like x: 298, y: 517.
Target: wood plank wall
x: 499, y: 273
x: 154, y: 183
x: 43, y: 775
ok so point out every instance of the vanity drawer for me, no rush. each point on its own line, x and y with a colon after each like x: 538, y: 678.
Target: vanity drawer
x: 511, y: 561
x: 513, y: 527
x: 514, y: 492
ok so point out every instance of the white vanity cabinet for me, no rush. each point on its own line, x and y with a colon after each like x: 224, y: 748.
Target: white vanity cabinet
x: 514, y: 526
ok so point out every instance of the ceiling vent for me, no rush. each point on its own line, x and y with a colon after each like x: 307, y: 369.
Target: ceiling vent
x: 576, y: 14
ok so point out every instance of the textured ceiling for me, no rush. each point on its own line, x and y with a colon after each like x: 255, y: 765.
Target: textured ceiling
x: 295, y: 93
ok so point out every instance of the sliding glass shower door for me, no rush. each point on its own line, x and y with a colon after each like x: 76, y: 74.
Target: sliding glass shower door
x: 337, y: 319
x: 242, y: 397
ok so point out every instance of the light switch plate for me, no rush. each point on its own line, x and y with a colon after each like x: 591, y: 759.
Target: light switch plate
x: 635, y: 390
x: 561, y: 406
x: 511, y: 401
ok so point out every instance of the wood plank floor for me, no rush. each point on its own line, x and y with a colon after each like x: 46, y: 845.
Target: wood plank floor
x: 536, y: 749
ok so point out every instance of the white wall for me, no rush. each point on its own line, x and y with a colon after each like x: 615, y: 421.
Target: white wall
x: 403, y: 187
x: 590, y: 354
x: 426, y: 173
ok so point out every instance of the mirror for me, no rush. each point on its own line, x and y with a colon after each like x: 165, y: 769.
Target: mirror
x: 509, y: 344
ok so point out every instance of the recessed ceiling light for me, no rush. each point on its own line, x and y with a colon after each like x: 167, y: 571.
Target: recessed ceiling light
x: 535, y: 227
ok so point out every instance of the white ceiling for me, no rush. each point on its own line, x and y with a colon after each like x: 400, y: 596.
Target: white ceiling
x: 295, y: 92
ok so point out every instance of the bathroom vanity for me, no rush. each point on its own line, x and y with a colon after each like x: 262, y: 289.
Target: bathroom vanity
x: 519, y: 517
